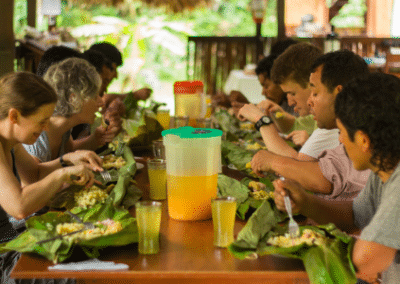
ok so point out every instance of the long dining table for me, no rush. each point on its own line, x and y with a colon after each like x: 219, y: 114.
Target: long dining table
x: 187, y: 255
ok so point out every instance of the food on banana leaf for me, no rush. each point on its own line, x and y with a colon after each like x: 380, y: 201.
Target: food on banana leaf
x: 90, y: 196
x: 246, y: 126
x: 120, y: 226
x: 308, y: 237
x: 255, y: 146
x: 230, y: 125
x: 112, y: 161
x: 248, y: 199
x: 124, y: 193
x: 324, y: 250
x: 103, y: 228
x: 259, y: 191
x: 279, y: 114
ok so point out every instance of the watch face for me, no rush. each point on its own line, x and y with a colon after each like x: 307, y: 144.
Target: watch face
x: 266, y: 119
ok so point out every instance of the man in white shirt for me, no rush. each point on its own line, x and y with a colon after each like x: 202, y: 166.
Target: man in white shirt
x: 331, y: 175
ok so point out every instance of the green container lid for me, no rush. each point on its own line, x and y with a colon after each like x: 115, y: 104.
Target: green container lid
x: 190, y: 132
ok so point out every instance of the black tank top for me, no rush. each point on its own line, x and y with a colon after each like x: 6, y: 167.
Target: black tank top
x: 7, y: 231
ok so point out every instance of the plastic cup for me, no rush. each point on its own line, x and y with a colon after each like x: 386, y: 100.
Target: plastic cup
x: 163, y: 118
x: 180, y: 121
x: 156, y: 169
x: 159, y: 149
x: 223, y: 216
x: 148, y: 216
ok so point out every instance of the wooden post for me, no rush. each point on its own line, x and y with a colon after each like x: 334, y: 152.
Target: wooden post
x: 280, y: 9
x: 259, y: 43
x: 32, y: 13
x: 7, y: 45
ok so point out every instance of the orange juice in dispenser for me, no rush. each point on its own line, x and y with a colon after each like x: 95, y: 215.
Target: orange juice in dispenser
x: 190, y: 100
x: 193, y: 161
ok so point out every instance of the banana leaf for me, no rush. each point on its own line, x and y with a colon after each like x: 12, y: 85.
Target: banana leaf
x: 230, y: 125
x: 330, y: 263
x: 43, y: 227
x: 239, y: 189
x: 125, y: 193
x: 235, y: 155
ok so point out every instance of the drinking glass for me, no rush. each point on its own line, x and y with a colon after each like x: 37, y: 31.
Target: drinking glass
x: 158, y: 149
x: 180, y: 121
x: 223, y: 216
x: 148, y: 216
x: 158, y: 179
x: 163, y: 118
x: 203, y: 122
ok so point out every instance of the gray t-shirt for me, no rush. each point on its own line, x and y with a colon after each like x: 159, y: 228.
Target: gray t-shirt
x: 377, y: 212
x: 41, y: 148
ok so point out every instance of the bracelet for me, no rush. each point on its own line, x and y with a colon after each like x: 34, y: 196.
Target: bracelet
x: 62, y: 162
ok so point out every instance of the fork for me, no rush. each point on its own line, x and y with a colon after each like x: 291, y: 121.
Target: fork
x: 293, y: 227
x: 106, y: 176
x: 87, y: 225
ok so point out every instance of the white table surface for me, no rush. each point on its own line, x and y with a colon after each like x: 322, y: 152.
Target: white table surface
x: 248, y: 85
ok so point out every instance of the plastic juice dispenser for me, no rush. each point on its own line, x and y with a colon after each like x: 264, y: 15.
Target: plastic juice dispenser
x: 193, y: 161
x: 190, y: 100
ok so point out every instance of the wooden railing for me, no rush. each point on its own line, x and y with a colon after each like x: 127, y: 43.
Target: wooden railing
x: 210, y: 59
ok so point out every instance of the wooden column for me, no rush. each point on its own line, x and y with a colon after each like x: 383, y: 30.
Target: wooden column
x: 280, y: 9
x: 7, y: 46
x: 32, y: 13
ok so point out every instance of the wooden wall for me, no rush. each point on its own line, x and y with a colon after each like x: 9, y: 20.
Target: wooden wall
x: 6, y: 37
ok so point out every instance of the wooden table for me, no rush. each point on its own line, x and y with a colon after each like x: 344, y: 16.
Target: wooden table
x: 187, y: 255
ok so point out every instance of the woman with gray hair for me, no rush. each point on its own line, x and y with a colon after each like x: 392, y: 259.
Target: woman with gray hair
x: 77, y: 86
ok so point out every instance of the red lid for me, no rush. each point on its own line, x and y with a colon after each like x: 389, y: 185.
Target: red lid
x: 188, y: 87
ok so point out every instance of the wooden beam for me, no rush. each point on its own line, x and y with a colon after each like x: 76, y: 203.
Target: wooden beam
x: 280, y: 9
x: 32, y: 4
x: 7, y: 45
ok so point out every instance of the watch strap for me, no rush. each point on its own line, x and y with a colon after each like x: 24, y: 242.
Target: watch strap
x: 62, y: 162
x: 261, y: 122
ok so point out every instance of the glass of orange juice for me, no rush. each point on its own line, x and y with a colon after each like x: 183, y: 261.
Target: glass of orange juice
x: 163, y: 118
x: 158, y: 179
x: 223, y: 216
x: 148, y: 216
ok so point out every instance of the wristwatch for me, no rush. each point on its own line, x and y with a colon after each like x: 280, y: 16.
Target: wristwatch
x: 62, y: 162
x: 265, y: 120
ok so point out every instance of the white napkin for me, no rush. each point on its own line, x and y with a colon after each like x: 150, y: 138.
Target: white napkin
x: 91, y: 264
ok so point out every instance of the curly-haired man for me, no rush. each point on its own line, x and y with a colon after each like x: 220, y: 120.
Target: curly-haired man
x: 368, y: 116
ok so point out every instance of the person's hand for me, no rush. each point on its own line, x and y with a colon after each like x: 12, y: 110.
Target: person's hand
x: 236, y: 96
x: 114, y: 120
x: 269, y: 107
x: 296, y: 193
x: 261, y: 162
x: 80, y: 175
x: 220, y: 99
x: 105, y: 135
x: 84, y: 157
x: 250, y: 112
x: 236, y: 106
x: 142, y: 94
x: 115, y: 107
x: 299, y: 137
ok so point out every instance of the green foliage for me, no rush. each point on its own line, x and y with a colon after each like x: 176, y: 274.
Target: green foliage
x: 20, y: 16
x: 161, y: 48
x: 351, y: 15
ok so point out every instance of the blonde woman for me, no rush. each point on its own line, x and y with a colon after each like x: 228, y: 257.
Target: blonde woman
x: 77, y: 85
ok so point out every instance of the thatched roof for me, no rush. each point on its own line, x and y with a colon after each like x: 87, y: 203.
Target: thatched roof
x: 175, y: 6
